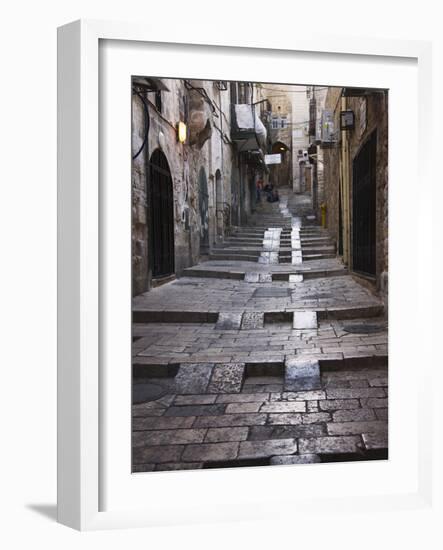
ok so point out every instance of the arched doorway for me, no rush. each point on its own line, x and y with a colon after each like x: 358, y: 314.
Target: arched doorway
x: 280, y: 174
x: 219, y: 203
x: 161, y: 216
x: 203, y: 200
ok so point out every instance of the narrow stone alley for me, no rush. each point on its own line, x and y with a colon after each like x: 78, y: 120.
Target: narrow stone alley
x: 269, y: 352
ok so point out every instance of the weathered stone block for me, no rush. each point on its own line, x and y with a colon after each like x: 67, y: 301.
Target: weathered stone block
x: 328, y: 445
x: 193, y: 378
x: 210, y: 452
x: 216, y: 435
x: 228, y: 320
x: 167, y: 437
x: 301, y: 374
x: 335, y: 404
x: 226, y: 420
x: 374, y: 441
x: 294, y: 459
x: 354, y: 428
x: 305, y: 320
x: 259, y: 449
x: 196, y: 410
x: 154, y: 454
x: 227, y: 378
x: 283, y: 407
x: 252, y: 320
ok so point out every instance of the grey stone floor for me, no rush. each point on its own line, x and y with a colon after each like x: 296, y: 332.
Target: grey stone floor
x: 258, y: 370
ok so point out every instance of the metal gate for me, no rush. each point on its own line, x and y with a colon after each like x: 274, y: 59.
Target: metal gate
x: 364, y: 208
x: 203, y: 200
x: 161, y: 216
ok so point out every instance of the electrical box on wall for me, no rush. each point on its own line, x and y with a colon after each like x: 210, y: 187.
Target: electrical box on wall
x: 327, y: 127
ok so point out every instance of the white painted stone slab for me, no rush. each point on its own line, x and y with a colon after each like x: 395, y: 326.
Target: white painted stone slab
x: 305, y: 319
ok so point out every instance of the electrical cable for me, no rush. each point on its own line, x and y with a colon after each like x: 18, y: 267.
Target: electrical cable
x: 147, y: 123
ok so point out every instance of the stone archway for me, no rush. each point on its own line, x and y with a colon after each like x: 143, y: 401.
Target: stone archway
x: 161, y: 215
x: 203, y: 201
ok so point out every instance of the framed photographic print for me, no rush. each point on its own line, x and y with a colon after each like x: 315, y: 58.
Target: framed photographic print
x: 232, y: 238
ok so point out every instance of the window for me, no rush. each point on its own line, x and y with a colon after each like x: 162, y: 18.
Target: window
x: 283, y: 122
x: 275, y: 122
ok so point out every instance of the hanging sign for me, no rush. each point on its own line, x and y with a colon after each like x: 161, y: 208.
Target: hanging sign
x: 273, y: 159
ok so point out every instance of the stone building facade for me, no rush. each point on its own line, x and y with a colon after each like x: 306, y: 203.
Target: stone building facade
x: 280, y: 132
x: 356, y: 181
x: 188, y: 193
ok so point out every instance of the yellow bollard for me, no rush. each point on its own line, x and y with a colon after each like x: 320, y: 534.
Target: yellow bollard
x: 323, y: 214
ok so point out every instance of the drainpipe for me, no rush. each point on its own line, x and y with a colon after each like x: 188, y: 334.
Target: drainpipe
x: 346, y: 216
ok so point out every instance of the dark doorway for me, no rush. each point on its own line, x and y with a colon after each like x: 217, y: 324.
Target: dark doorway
x: 364, y: 208
x: 161, y: 215
x: 203, y: 200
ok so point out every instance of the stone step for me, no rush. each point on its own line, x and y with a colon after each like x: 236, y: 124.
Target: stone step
x: 318, y: 249
x: 233, y: 257
x: 308, y: 257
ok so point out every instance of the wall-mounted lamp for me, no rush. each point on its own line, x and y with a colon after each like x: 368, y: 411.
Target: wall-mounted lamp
x: 347, y: 120
x: 182, y: 132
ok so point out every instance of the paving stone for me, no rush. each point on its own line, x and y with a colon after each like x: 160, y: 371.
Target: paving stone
x: 226, y: 420
x: 169, y: 466
x: 167, y: 437
x: 252, y: 320
x: 194, y: 399
x: 382, y: 414
x: 259, y: 449
x: 379, y: 382
x: 193, y: 378
x: 271, y: 292
x: 210, y: 452
x: 355, y: 415
x: 374, y: 403
x: 252, y: 277
x: 163, y: 423
x: 374, y: 441
x: 265, y: 277
x: 358, y: 383
x: 235, y: 408
x: 196, y: 410
x: 228, y: 320
x: 227, y: 378
x: 353, y: 428
x: 257, y: 433
x: 335, y: 404
x: 304, y: 319
x: 140, y: 468
x: 329, y: 444
x: 301, y: 374
x: 243, y: 398
x: 302, y: 395
x: 283, y: 407
x: 311, y: 418
x: 312, y: 406
x: 286, y: 460
x: 295, y: 278
x: 291, y: 419
x: 216, y: 435
x: 354, y: 393
x: 158, y: 453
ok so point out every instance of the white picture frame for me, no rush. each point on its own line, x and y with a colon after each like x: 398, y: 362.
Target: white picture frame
x: 82, y: 398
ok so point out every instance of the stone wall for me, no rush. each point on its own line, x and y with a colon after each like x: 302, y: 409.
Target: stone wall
x: 208, y: 149
x: 371, y: 114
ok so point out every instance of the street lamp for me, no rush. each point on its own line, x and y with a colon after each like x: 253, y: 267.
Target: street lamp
x: 182, y: 131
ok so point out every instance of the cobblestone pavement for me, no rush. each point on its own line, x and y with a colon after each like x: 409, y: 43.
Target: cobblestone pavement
x: 243, y: 363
